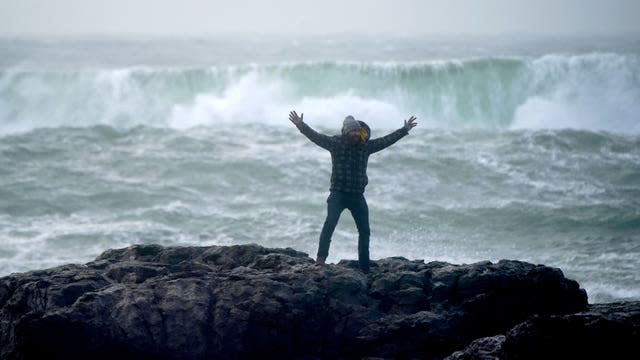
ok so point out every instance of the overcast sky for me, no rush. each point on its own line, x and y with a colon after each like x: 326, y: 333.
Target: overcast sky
x: 193, y: 17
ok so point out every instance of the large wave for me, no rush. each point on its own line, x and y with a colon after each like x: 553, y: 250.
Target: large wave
x: 598, y: 91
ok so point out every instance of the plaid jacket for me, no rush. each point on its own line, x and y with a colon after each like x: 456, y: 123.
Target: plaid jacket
x: 349, y: 162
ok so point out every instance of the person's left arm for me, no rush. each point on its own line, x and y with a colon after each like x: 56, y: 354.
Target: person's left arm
x: 378, y: 144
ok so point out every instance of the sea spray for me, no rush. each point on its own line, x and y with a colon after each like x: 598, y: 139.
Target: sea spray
x: 591, y: 91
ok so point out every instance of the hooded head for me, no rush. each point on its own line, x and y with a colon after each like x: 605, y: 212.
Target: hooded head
x: 350, y: 124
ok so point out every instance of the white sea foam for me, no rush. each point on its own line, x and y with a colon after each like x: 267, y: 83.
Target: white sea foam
x: 595, y: 92
x: 249, y: 99
x: 599, y: 292
x: 592, y: 92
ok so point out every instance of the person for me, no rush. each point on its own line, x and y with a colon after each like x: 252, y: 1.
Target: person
x: 349, y: 156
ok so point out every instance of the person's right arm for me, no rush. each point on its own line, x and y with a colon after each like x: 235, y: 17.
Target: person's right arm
x: 324, y: 141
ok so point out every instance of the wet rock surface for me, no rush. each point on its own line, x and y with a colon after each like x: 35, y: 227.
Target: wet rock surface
x: 603, y: 331
x: 247, y: 301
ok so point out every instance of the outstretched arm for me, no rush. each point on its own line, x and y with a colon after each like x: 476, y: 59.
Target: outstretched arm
x: 378, y: 144
x: 324, y: 141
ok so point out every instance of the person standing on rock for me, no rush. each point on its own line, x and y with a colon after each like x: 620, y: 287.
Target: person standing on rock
x: 349, y: 156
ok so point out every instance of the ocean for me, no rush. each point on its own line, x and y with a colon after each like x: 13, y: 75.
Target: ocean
x: 527, y: 148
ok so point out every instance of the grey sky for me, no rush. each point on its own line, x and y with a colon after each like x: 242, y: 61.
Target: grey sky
x: 190, y: 17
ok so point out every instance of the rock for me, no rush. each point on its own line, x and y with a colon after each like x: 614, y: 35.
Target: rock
x: 487, y: 348
x: 604, y: 331
x: 247, y: 301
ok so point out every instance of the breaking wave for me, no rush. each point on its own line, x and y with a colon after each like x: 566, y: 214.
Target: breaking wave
x: 598, y: 91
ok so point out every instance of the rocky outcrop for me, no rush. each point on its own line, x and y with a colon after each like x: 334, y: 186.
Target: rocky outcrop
x: 604, y: 331
x: 247, y: 301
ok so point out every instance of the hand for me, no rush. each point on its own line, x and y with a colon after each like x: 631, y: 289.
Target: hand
x: 410, y: 124
x: 297, y: 120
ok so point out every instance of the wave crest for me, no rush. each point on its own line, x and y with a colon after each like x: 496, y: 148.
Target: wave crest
x: 599, y: 91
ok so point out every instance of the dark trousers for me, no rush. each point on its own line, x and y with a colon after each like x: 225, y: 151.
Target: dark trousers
x: 357, y: 204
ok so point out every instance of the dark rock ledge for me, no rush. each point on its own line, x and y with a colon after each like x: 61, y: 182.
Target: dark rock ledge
x: 247, y: 301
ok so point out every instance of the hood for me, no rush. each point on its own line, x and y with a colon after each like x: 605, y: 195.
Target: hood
x: 365, y: 132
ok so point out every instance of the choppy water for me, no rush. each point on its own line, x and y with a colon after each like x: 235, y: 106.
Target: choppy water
x: 524, y: 151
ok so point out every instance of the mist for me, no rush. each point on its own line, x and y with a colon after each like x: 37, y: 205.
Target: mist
x: 306, y: 17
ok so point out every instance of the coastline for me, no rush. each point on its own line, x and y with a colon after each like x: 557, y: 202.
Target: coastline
x: 149, y: 301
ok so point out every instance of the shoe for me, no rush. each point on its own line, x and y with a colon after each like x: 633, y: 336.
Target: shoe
x: 320, y: 261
